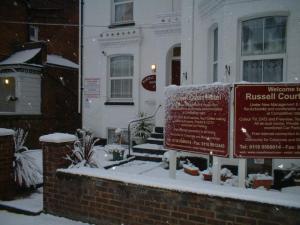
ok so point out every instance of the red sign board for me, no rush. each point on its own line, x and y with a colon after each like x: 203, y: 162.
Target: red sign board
x: 149, y: 82
x: 267, y: 121
x: 197, y: 119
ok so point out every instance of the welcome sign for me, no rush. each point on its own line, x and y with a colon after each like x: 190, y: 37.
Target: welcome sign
x: 267, y: 120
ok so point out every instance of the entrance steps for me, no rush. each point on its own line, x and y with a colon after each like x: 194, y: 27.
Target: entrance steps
x: 153, y: 149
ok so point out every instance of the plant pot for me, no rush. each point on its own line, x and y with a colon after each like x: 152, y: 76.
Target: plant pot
x: 207, y: 177
x: 117, y: 156
x: 139, y: 140
x: 262, y: 183
x: 191, y: 172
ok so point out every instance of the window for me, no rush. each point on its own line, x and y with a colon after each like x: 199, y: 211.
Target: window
x: 112, y: 138
x: 33, y: 33
x: 263, y: 49
x: 122, y: 11
x: 215, y: 55
x: 120, y: 79
x: 7, y: 94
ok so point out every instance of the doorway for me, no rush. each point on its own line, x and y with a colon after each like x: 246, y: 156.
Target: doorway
x: 174, y: 65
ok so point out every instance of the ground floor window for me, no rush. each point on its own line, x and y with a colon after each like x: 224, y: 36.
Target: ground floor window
x: 120, y: 78
x: 269, y: 70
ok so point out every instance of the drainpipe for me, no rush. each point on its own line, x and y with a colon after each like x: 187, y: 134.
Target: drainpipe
x: 81, y: 59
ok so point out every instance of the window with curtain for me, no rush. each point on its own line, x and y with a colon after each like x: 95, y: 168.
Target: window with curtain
x: 122, y: 11
x: 121, y: 76
x: 7, y: 94
x: 263, y: 48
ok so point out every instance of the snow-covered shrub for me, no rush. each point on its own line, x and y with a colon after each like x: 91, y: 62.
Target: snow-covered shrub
x: 26, y: 172
x: 117, y: 151
x: 143, y: 128
x: 83, y: 150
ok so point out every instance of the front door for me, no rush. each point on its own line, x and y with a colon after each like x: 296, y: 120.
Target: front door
x: 175, y: 80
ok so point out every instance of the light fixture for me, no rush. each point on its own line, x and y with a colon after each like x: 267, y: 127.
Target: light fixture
x: 153, y: 68
x: 6, y: 81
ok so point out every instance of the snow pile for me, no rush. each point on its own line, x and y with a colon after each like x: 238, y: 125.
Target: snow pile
x: 226, y: 173
x: 6, y: 132
x: 58, y: 138
x: 259, y: 176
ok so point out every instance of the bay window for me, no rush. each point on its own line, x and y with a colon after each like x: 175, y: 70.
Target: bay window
x: 120, y: 77
x: 263, y: 49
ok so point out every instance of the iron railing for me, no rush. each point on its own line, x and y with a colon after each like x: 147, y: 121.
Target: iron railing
x: 138, y: 120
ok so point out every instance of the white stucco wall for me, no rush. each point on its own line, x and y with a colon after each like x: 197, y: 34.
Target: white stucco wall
x: 150, y: 45
x: 160, y: 26
x: 227, y: 15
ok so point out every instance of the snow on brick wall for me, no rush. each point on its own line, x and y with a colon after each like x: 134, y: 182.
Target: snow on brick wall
x: 103, y: 201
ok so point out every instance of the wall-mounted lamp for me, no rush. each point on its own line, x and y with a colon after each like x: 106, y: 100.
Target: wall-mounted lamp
x: 6, y: 81
x: 153, y: 68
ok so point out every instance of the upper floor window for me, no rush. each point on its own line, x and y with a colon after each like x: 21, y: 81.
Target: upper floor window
x: 215, y: 55
x: 120, y: 78
x: 122, y: 11
x: 33, y: 33
x: 263, y: 48
x: 7, y: 94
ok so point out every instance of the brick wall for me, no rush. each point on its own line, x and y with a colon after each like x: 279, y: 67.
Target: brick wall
x: 53, y: 157
x: 6, y: 167
x: 108, y: 202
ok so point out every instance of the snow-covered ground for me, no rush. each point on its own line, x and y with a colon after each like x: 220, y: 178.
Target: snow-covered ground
x: 32, y: 204
x: 8, y: 218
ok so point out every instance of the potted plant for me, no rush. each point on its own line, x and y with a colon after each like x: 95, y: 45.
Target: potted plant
x: 142, y: 129
x: 116, y: 151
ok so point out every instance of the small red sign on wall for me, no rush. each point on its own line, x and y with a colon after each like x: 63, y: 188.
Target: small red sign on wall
x: 267, y: 121
x: 197, y: 119
x: 149, y: 82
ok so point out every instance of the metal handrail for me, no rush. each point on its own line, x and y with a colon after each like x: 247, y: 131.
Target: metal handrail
x: 138, y: 120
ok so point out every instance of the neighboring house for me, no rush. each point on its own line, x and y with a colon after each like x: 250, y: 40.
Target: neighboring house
x: 38, y: 67
x: 190, y: 42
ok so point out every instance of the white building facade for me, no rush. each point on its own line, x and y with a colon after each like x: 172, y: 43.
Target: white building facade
x: 189, y: 41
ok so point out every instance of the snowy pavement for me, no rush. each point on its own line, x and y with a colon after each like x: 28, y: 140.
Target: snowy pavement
x: 8, y: 218
x: 32, y: 204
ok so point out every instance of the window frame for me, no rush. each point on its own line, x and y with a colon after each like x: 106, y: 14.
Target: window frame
x: 35, y: 37
x: 13, y: 97
x: 113, y: 13
x: 110, y: 78
x: 263, y: 56
x: 211, y: 52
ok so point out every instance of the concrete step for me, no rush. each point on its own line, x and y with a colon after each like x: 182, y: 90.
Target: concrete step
x: 157, y: 141
x: 157, y: 135
x: 147, y: 157
x: 159, y: 130
x: 154, y: 149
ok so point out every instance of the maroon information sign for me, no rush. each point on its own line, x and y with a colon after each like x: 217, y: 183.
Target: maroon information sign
x: 267, y: 121
x: 149, y: 82
x: 197, y: 119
